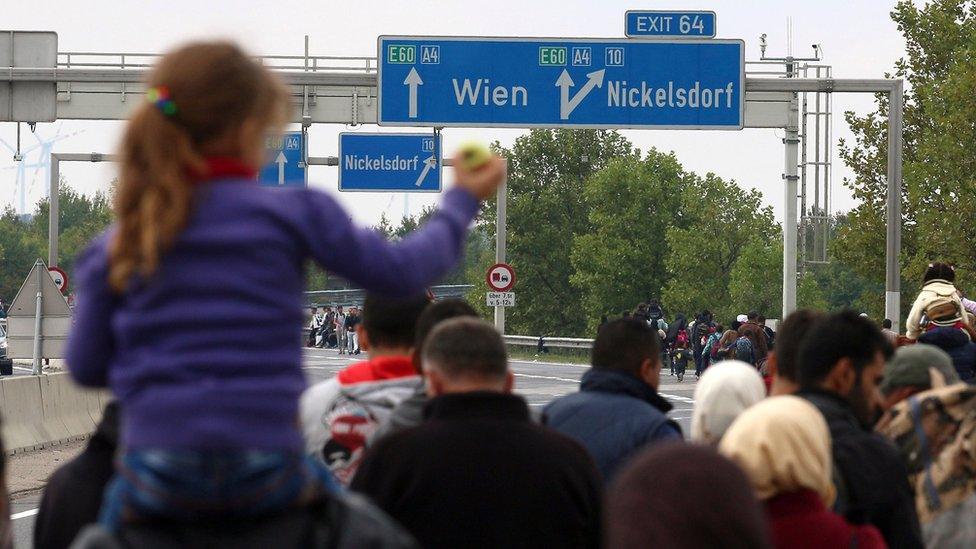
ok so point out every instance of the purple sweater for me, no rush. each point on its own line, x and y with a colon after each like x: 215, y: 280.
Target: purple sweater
x: 206, y: 354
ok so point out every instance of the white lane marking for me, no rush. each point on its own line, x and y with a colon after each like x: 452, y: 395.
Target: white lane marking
x: 22, y: 369
x: 678, y: 398
x: 547, y: 377
x: 24, y: 514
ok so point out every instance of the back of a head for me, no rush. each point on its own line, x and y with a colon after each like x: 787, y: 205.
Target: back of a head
x: 624, y: 345
x: 920, y: 367
x: 728, y: 337
x: 940, y: 271
x: 199, y: 97
x: 789, y: 338
x: 466, y: 349
x: 834, y: 337
x: 886, y: 324
x: 752, y: 316
x: 783, y: 445
x: 437, y: 312
x: 683, y: 496
x: 392, y: 323
x: 725, y: 390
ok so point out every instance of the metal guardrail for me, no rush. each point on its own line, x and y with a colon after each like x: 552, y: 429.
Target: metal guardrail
x: 531, y: 341
x: 556, y: 342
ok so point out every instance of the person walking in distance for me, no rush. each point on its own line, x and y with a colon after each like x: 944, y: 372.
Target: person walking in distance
x: 681, y: 356
x: 340, y: 328
x: 208, y: 425
x: 352, y: 336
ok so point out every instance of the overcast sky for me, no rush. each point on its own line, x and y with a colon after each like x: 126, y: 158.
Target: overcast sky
x: 859, y: 40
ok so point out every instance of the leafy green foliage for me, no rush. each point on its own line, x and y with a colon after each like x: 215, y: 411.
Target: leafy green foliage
x: 631, y: 204
x: 546, y: 212
x: 718, y: 220
x: 24, y: 239
x: 940, y: 128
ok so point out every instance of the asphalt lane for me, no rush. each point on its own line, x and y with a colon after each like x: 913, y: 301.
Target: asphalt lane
x: 538, y: 381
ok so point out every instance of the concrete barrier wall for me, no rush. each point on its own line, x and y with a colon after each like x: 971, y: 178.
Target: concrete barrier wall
x: 41, y: 411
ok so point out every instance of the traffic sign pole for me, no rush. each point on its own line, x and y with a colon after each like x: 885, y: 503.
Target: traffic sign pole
x: 501, y: 222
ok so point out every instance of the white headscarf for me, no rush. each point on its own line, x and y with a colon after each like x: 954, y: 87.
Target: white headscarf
x: 783, y: 445
x: 724, y: 391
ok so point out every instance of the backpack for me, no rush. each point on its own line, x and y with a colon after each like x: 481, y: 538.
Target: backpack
x: 943, y: 309
x: 744, y: 351
x: 701, y: 332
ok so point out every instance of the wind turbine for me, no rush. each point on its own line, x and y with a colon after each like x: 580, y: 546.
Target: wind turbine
x: 40, y: 159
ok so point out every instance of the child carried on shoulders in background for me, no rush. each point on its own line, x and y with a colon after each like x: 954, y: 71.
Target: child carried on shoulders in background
x: 190, y: 307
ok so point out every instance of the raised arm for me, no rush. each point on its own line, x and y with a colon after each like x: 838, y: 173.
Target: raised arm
x: 408, y: 266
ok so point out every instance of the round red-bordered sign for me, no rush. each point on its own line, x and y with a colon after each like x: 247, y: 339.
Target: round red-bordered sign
x: 60, y: 278
x: 500, y: 277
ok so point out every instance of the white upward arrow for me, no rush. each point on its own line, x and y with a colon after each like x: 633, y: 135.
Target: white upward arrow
x: 412, y: 81
x: 281, y: 161
x: 567, y: 105
x: 431, y: 162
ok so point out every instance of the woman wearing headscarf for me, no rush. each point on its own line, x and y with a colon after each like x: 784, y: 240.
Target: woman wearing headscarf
x: 724, y: 391
x: 783, y: 445
x: 683, y: 496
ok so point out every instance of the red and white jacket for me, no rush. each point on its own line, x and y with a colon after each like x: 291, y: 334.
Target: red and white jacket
x: 340, y: 415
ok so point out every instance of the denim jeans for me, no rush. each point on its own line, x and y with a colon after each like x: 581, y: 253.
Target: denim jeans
x: 353, y: 340
x: 186, y: 485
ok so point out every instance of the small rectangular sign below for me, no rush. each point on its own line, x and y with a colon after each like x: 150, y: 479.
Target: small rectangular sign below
x: 501, y: 299
x: 670, y: 24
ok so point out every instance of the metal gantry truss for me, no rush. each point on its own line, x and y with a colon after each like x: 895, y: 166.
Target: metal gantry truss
x: 342, y: 90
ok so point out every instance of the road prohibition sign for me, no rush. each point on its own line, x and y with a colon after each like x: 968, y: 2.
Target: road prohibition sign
x: 501, y: 277
x: 60, y: 278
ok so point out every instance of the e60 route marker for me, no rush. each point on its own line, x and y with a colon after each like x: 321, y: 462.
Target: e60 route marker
x: 286, y: 161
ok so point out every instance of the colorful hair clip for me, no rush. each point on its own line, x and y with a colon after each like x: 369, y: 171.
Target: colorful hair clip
x: 159, y: 96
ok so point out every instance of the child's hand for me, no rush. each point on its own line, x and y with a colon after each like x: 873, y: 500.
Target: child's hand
x: 482, y: 181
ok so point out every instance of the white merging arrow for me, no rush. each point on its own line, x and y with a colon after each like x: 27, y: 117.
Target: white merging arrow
x: 412, y: 81
x: 281, y: 161
x: 431, y: 162
x: 567, y: 105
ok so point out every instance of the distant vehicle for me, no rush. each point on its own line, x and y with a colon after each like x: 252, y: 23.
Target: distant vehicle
x: 3, y: 340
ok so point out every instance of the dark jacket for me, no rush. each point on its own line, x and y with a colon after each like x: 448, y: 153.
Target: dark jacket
x: 870, y: 475
x: 345, y: 521
x: 479, y: 473
x: 409, y: 413
x: 613, y: 415
x: 800, y: 520
x: 956, y: 344
x: 74, y: 492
